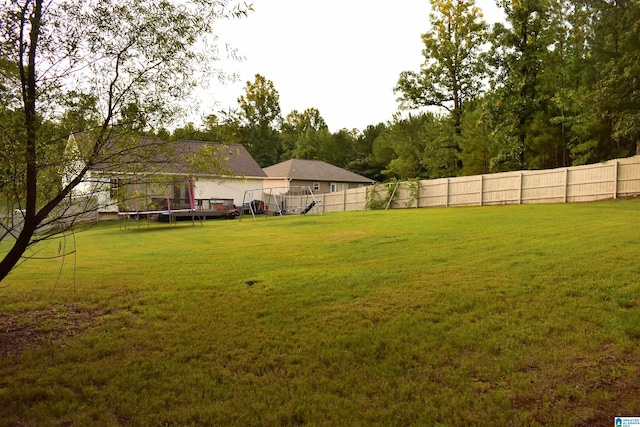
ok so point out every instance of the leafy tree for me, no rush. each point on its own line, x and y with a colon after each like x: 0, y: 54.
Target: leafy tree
x: 162, y: 133
x: 187, y: 132
x: 306, y: 136
x: 260, y: 120
x: 440, y: 158
x: 312, y: 144
x: 363, y: 161
x: 477, y: 147
x: 224, y: 127
x: 454, y: 69
x: 617, y: 96
x: 309, y: 119
x: 401, y: 146
x: 215, y: 129
x: 584, y: 130
x: 517, y: 53
x: 80, y: 112
x: 298, y: 126
x: 340, y: 148
x: 105, y: 55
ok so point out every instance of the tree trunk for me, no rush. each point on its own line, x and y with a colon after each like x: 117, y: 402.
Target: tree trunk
x: 31, y: 18
x: 17, y: 250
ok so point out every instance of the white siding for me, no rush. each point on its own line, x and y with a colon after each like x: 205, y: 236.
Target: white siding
x: 228, y: 189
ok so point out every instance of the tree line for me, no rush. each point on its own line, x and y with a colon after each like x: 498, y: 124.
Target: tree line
x: 555, y: 84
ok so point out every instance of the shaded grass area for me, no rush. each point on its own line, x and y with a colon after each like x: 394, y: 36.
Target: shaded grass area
x: 513, y: 315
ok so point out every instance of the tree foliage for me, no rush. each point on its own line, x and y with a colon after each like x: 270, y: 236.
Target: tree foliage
x: 260, y: 120
x: 93, y: 66
x: 553, y: 84
x: 453, y: 69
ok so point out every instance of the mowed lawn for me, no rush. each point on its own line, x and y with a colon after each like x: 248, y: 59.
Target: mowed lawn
x: 509, y: 315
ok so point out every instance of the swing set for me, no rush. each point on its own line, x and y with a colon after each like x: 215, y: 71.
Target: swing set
x: 280, y: 201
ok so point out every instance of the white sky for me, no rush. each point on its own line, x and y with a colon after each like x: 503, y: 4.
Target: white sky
x: 342, y: 57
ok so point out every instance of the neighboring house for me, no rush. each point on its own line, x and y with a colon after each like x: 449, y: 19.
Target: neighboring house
x: 176, y: 176
x: 321, y: 177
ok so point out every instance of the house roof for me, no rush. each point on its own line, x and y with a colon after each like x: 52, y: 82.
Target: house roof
x: 175, y: 157
x: 313, y: 170
x: 236, y: 158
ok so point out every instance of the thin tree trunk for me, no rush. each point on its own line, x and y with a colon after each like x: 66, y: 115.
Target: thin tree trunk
x: 31, y: 18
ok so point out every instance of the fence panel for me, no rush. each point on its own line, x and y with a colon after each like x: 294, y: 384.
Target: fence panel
x: 607, y: 180
x: 501, y: 188
x: 592, y: 182
x: 433, y: 193
x: 465, y: 191
x: 355, y: 199
x: 333, y: 202
x: 543, y: 186
x: 628, y: 177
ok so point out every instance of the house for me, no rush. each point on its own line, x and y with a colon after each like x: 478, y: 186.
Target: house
x: 242, y: 173
x: 321, y: 177
x: 152, y: 175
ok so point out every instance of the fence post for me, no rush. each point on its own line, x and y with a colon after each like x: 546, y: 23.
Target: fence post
x: 344, y: 200
x: 446, y: 203
x: 520, y: 188
x: 481, y: 189
x: 615, y: 179
x: 566, y: 184
x: 364, y: 206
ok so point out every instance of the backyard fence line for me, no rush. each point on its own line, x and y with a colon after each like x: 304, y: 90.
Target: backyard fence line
x: 607, y: 180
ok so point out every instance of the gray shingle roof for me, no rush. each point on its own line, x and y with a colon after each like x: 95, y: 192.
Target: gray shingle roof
x: 239, y: 161
x: 173, y: 157
x: 313, y: 170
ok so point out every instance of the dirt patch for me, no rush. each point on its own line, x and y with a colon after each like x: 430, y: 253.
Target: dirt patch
x: 594, y: 390
x: 30, y: 329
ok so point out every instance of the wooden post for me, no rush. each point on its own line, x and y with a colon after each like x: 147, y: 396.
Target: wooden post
x: 344, y: 200
x: 481, y: 189
x: 520, y: 188
x: 566, y: 184
x: 446, y: 203
x: 615, y: 179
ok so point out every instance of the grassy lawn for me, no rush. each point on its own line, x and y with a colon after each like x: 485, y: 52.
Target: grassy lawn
x: 511, y: 315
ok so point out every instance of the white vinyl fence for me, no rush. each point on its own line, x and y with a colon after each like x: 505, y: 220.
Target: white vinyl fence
x: 608, y: 180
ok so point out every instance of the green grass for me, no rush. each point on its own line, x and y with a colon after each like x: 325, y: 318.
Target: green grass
x: 512, y: 315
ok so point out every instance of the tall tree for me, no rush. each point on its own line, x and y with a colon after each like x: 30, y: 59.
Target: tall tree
x: 477, y: 147
x: 617, y: 95
x: 401, y: 147
x: 51, y: 50
x: 298, y: 127
x: 340, y: 149
x: 517, y: 52
x: 261, y: 121
x: 454, y: 68
x: 584, y: 130
x: 364, y: 162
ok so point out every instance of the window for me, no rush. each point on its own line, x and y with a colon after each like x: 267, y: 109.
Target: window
x: 338, y: 186
x: 316, y: 186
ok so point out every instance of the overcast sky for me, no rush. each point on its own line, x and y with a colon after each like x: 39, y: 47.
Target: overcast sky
x: 342, y: 57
